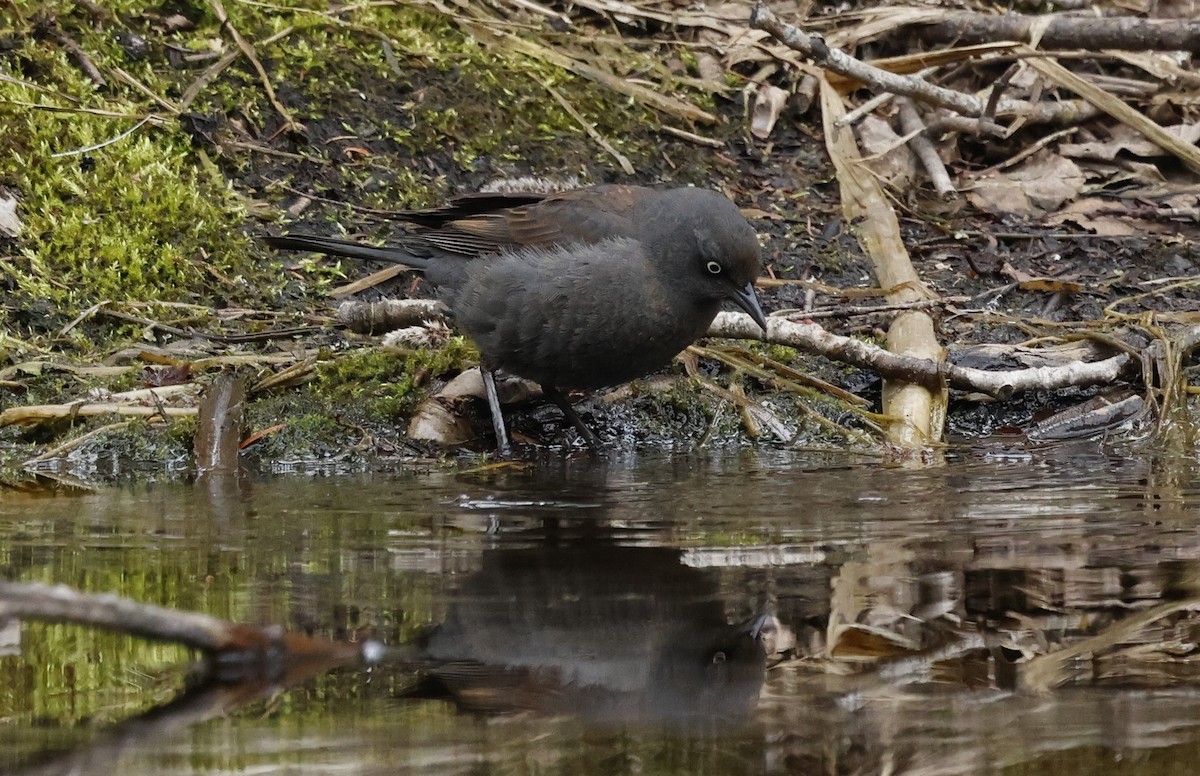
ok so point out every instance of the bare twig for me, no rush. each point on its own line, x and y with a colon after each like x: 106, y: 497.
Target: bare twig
x: 130, y: 79
x: 78, y: 54
x: 589, y: 128
x: 538, y: 8
x: 83, y: 316
x: 878, y: 101
x: 692, y: 137
x: 849, y: 311
x: 660, y: 102
x: 97, y: 146
x: 62, y: 604
x: 846, y: 65
x: 247, y: 49
x: 922, y: 146
x: 950, y: 122
x: 68, y: 446
x: 754, y: 415
x: 30, y: 601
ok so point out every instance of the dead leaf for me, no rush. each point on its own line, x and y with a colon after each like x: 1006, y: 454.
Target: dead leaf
x: 885, y: 154
x: 1087, y: 213
x: 1040, y: 185
x: 1028, y: 282
x: 1126, y: 139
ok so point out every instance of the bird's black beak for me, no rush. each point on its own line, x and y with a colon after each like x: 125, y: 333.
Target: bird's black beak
x: 748, y: 301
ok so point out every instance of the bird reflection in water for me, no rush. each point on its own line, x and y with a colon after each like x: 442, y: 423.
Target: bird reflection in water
x: 607, y: 632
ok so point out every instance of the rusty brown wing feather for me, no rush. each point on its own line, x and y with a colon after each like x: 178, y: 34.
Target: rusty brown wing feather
x: 579, y: 216
x: 467, y: 205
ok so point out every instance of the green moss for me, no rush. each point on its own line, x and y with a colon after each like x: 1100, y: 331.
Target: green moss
x: 383, y: 382
x: 138, y: 218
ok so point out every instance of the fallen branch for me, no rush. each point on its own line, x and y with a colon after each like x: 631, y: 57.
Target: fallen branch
x: 38, y: 412
x: 811, y: 338
x: 846, y: 65
x: 1061, y: 31
x: 922, y: 146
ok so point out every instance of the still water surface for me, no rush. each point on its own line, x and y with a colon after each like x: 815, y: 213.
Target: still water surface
x: 759, y: 612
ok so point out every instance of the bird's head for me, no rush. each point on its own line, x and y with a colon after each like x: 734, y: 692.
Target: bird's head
x: 715, y: 249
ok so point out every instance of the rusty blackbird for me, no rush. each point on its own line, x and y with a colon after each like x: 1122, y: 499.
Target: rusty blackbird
x: 578, y: 289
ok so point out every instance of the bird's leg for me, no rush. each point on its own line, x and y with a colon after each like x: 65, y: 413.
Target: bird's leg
x: 493, y: 400
x: 561, y: 402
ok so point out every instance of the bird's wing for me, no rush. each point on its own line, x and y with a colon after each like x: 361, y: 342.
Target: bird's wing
x: 578, y: 216
x: 467, y: 205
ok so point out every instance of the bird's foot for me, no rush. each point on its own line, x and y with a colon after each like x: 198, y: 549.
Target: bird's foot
x: 503, y: 448
x: 589, y: 436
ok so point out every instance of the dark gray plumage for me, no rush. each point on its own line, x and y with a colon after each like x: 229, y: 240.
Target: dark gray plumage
x: 581, y: 289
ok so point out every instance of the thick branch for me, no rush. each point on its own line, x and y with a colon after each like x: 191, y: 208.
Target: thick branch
x: 1061, y: 31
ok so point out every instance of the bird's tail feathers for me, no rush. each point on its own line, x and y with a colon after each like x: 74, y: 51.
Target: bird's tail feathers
x: 353, y: 250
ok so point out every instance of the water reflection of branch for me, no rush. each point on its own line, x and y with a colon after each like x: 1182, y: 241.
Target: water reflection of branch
x: 236, y: 643
x: 245, y: 662
x: 1045, y: 672
x: 199, y: 704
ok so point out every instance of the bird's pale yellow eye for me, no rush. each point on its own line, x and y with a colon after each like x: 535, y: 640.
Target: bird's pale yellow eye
x: 714, y: 267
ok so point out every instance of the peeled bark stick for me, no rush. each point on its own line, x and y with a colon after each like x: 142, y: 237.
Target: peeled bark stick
x: 1062, y: 31
x: 811, y: 338
x: 219, y: 426
x: 917, y: 409
x: 389, y: 314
